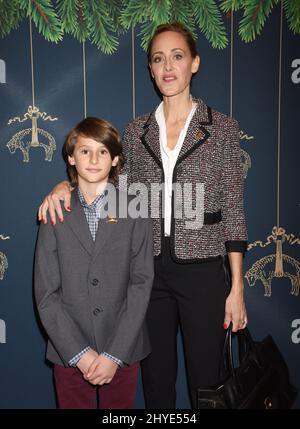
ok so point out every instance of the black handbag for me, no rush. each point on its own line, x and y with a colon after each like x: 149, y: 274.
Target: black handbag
x: 261, y: 381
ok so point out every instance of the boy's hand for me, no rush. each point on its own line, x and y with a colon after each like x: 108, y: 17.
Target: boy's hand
x: 101, y: 371
x: 62, y: 191
x: 87, y: 359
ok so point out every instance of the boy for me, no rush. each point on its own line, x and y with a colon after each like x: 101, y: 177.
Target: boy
x: 93, y: 278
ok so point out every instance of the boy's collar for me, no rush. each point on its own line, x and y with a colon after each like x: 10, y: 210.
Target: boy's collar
x: 83, y: 201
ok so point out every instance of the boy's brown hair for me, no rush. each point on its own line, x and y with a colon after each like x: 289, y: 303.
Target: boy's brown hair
x: 103, y: 132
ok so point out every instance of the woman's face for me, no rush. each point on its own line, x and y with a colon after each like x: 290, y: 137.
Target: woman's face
x: 171, y: 63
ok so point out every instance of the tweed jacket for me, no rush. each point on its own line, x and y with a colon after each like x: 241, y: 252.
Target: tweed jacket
x: 210, y: 155
x: 94, y: 293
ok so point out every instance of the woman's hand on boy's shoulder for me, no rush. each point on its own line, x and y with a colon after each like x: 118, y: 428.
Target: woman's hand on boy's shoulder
x: 51, y: 203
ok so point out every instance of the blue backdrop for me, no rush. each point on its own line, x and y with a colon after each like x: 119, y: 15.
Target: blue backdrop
x: 118, y: 87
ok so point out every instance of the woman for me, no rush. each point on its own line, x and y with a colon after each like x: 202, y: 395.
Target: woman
x: 184, y: 142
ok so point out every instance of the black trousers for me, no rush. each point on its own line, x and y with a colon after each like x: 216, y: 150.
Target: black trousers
x: 191, y: 296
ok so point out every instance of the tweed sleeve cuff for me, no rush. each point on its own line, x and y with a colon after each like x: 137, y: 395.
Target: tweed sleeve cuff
x: 236, y: 246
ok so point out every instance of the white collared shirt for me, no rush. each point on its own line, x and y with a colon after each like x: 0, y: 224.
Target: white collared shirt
x: 169, y: 158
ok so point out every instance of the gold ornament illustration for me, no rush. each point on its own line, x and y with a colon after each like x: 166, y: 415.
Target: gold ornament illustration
x: 3, y: 260
x: 246, y: 160
x: 275, y: 265
x: 18, y: 142
x: 34, y: 136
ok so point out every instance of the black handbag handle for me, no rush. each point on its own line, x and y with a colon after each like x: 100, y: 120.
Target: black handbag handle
x: 245, y: 346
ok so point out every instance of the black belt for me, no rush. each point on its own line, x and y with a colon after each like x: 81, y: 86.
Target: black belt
x: 211, y: 218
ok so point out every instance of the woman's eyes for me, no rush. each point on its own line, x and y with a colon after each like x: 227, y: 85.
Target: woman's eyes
x: 159, y: 59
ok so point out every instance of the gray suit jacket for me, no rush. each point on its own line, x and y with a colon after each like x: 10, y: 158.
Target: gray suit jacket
x: 94, y: 294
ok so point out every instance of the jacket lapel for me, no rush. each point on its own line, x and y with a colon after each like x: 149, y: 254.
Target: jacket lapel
x: 198, y: 131
x: 76, y: 220
x: 150, y: 139
x: 103, y: 233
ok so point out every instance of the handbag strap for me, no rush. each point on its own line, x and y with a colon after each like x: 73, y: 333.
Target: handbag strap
x: 245, y: 346
x: 227, y: 366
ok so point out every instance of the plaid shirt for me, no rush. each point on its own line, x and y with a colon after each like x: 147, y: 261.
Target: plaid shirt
x: 92, y: 213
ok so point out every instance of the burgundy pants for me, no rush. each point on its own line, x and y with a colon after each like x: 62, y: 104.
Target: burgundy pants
x: 75, y: 392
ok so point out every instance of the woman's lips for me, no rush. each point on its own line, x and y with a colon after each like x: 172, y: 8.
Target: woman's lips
x: 169, y: 78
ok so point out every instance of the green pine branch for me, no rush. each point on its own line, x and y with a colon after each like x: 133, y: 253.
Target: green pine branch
x: 114, y: 9
x: 292, y: 12
x: 208, y: 16
x: 101, y: 27
x: 101, y: 21
x: 10, y: 16
x: 133, y: 13
x: 231, y: 5
x: 44, y: 17
x: 159, y: 12
x: 255, y: 15
x: 68, y: 11
x: 182, y: 12
x: 80, y: 29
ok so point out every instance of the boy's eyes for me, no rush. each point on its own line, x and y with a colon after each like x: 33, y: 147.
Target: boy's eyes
x: 86, y: 151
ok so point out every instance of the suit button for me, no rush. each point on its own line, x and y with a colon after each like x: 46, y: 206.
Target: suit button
x: 95, y: 282
x: 97, y: 311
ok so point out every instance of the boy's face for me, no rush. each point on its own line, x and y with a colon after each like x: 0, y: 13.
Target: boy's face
x: 92, y: 161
